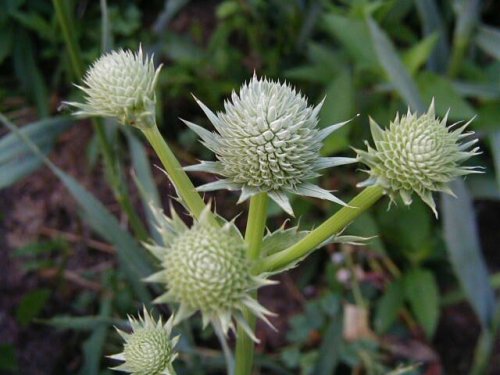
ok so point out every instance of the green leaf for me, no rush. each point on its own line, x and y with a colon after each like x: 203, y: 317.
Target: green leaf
x: 446, y: 97
x: 432, y: 22
x: 419, y: 54
x: 489, y: 91
x: 366, y: 226
x: 422, y: 294
x: 16, y: 159
x: 8, y: 360
x: 133, y: 258
x: 408, y: 229
x: 484, y: 186
x: 394, y: 68
x: 93, y: 346
x: 144, y: 180
x: 329, y: 354
x: 338, y: 106
x: 462, y: 240
x: 35, y: 22
x: 495, y: 150
x: 488, y: 39
x: 388, y: 306
x: 79, y: 323
x: 32, y: 305
x: 281, y: 239
x: 29, y: 74
x: 353, y: 34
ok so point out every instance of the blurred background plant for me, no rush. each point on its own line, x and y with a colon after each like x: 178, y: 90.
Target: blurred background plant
x: 420, y: 295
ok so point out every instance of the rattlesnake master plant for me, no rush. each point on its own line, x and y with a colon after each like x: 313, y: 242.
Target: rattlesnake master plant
x: 204, y: 268
x: 148, y: 350
x: 267, y: 140
x: 418, y: 154
x: 120, y: 84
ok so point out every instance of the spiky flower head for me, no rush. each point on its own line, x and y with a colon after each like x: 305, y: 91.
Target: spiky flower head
x: 148, y: 349
x: 418, y: 154
x: 267, y: 140
x: 205, y: 268
x: 120, y: 84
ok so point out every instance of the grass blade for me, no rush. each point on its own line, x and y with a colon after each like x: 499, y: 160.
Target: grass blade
x: 488, y: 39
x: 394, y: 68
x: 133, y: 258
x: 144, y: 180
x: 461, y: 235
x: 432, y: 22
x: 16, y: 159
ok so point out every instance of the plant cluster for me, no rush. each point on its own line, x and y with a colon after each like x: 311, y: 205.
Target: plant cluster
x: 267, y: 144
x: 405, y: 64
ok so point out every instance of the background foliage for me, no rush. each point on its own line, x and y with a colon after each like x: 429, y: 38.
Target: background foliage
x: 361, y: 309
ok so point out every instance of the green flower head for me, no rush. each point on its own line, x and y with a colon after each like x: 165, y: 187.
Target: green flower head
x: 267, y: 140
x: 204, y: 268
x: 148, y: 350
x: 418, y: 154
x: 120, y: 84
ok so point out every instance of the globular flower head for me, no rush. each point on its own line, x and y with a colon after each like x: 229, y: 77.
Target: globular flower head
x: 267, y: 140
x: 418, y: 154
x: 148, y: 349
x: 205, y: 268
x: 120, y: 84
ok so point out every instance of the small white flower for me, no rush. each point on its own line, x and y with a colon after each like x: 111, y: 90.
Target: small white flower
x: 120, y: 84
x: 267, y: 140
x: 148, y: 349
x: 418, y: 154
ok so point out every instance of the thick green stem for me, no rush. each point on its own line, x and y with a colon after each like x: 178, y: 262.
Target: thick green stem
x: 330, y: 227
x: 253, y: 237
x: 117, y: 184
x: 256, y: 225
x: 183, y: 185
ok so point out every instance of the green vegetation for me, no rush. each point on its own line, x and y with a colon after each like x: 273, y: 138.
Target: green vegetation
x: 374, y: 308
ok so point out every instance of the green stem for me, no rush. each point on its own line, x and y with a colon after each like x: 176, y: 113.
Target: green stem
x: 69, y: 37
x: 330, y: 227
x: 184, y: 187
x: 253, y: 237
x: 118, y: 186
x: 256, y: 224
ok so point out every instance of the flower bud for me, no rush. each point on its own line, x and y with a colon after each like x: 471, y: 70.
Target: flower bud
x: 120, y: 84
x: 148, y: 350
x: 418, y: 154
x: 204, y: 268
x: 267, y: 140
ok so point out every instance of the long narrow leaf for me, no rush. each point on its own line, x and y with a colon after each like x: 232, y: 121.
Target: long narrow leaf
x: 133, y: 258
x: 394, y: 68
x: 93, y: 346
x: 433, y: 22
x: 495, y: 150
x: 16, y: 159
x: 488, y: 39
x: 460, y: 231
x: 144, y: 180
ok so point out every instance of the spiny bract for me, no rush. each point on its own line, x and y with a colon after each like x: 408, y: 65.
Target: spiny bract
x: 120, y: 84
x: 267, y: 141
x: 204, y: 268
x: 148, y: 350
x: 417, y: 154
